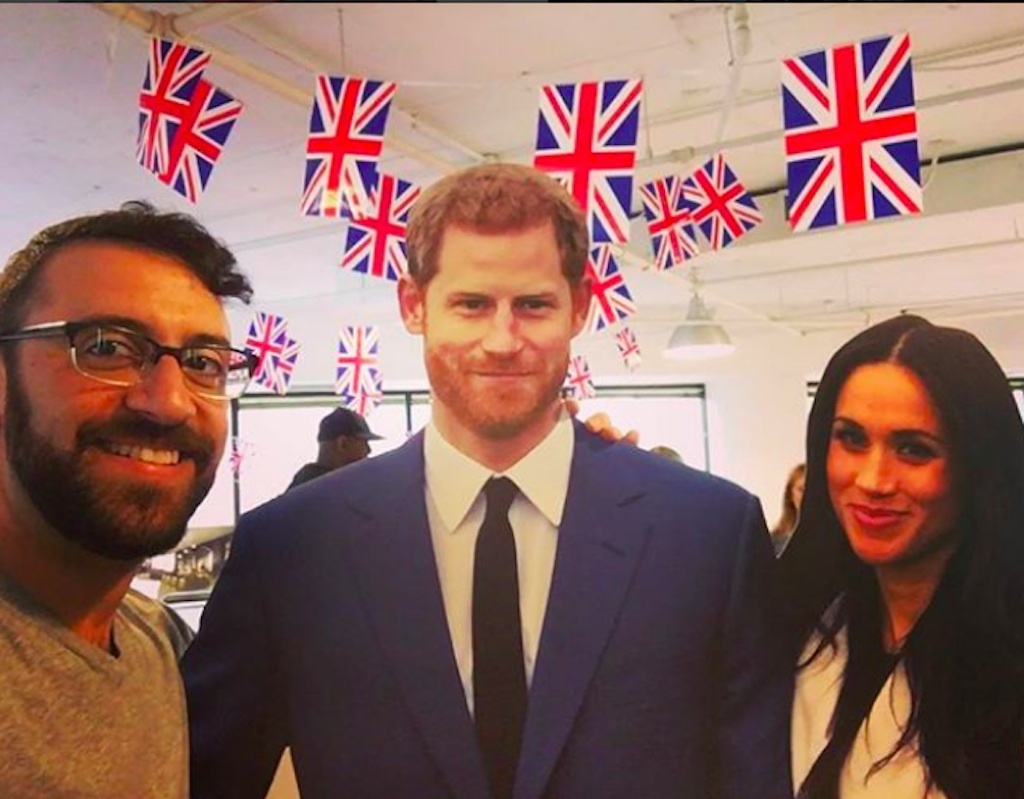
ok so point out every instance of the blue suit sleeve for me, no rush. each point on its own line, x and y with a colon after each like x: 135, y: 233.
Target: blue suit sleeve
x: 236, y: 721
x: 756, y: 679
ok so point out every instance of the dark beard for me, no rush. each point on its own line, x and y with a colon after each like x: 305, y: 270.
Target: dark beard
x: 122, y: 522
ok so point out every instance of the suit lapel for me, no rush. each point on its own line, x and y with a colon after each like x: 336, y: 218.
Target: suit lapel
x: 599, y: 542
x: 394, y: 563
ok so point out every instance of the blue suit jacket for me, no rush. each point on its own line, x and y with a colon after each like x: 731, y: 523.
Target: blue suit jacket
x: 657, y: 673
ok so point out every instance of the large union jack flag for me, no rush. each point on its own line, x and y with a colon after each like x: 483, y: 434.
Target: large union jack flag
x: 269, y: 341
x: 610, y: 299
x: 586, y: 139
x: 357, y: 370
x: 720, y: 205
x: 173, y: 72
x: 375, y: 244
x: 669, y: 222
x: 346, y: 134
x: 199, y: 140
x: 578, y: 381
x: 629, y: 348
x: 851, y: 134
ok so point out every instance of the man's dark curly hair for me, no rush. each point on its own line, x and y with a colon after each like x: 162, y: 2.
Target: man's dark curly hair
x: 135, y: 223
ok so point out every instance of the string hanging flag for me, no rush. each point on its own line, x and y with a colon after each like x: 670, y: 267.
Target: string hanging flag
x: 173, y: 73
x: 851, y: 134
x: 720, y: 204
x: 578, y: 381
x: 586, y: 139
x: 610, y: 300
x: 364, y: 402
x: 629, y: 348
x: 276, y: 351
x: 375, y: 244
x: 669, y: 222
x: 358, y: 375
x: 200, y: 139
x: 346, y: 134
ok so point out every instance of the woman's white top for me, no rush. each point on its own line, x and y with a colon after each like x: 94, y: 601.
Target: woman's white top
x: 817, y: 691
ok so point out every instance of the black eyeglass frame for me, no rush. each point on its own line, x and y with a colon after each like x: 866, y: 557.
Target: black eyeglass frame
x: 70, y: 329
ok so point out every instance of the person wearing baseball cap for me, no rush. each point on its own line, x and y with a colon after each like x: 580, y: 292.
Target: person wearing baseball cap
x: 344, y: 437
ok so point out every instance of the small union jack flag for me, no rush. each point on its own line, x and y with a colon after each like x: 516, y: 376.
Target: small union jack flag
x: 610, y: 299
x: 240, y: 450
x: 172, y: 75
x: 578, y: 382
x: 586, y: 139
x: 669, y: 222
x: 720, y: 205
x: 199, y: 139
x: 375, y: 244
x: 346, y: 134
x: 268, y: 340
x: 851, y: 134
x: 629, y: 348
x: 364, y: 402
x: 357, y: 361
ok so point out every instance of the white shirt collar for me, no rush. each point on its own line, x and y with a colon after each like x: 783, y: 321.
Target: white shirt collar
x: 454, y: 480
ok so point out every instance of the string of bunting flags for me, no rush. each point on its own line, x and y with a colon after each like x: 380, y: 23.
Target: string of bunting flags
x: 849, y: 134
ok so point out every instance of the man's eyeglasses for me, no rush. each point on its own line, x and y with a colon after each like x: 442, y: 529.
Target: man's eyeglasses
x: 119, y: 356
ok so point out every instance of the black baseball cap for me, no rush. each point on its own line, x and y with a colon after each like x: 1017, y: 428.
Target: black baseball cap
x: 343, y: 422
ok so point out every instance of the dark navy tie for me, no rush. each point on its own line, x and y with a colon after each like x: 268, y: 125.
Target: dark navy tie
x: 499, y: 677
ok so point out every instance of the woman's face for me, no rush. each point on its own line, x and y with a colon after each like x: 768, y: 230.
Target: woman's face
x: 889, y: 471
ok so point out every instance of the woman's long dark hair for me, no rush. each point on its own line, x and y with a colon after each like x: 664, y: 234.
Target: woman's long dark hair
x: 965, y: 657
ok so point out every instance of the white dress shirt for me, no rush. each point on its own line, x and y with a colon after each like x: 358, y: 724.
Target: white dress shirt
x: 817, y: 691
x: 455, y: 510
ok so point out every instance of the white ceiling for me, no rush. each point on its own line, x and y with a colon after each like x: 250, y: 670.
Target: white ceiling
x: 469, y: 76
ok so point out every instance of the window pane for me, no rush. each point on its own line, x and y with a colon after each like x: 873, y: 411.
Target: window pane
x: 661, y: 416
x: 219, y: 506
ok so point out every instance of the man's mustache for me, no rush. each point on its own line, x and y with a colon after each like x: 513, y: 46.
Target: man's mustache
x: 142, y: 432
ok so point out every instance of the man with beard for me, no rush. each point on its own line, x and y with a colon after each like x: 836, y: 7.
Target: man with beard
x: 115, y: 371
x: 507, y: 603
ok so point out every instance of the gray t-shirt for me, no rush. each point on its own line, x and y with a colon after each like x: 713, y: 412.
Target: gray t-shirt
x: 77, y: 722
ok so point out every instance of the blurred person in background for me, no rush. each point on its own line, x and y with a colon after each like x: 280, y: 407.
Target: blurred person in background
x: 343, y: 437
x: 792, y: 498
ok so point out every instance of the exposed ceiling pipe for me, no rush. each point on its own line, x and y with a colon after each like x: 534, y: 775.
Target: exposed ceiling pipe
x: 293, y: 52
x: 155, y: 24
x: 205, y: 15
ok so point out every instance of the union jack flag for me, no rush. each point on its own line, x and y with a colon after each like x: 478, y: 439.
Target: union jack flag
x: 172, y: 75
x: 364, y: 402
x: 851, y: 134
x: 240, y: 450
x: 629, y: 348
x: 669, y: 222
x: 375, y: 244
x: 357, y: 373
x: 578, y: 382
x: 610, y: 299
x: 586, y: 139
x: 720, y: 205
x: 346, y: 134
x: 199, y: 139
x: 268, y: 340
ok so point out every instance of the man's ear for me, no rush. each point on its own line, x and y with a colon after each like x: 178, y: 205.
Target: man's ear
x: 410, y: 303
x: 581, y: 294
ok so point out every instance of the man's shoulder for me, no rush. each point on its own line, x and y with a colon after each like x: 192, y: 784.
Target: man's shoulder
x: 653, y: 471
x: 153, y: 615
